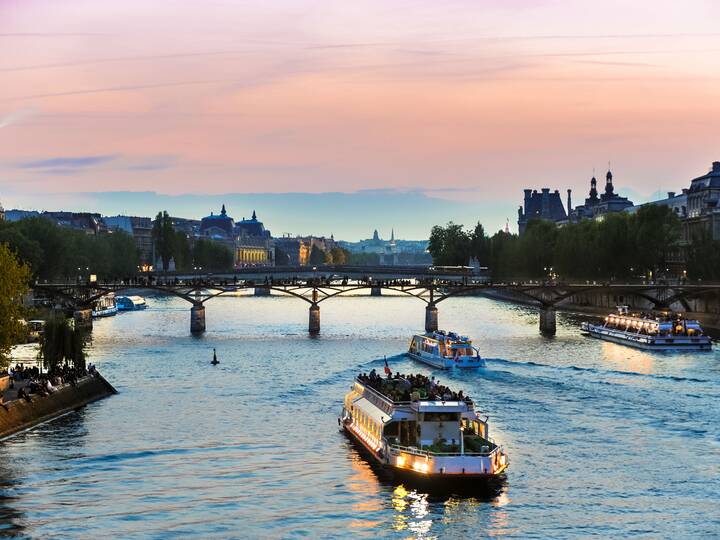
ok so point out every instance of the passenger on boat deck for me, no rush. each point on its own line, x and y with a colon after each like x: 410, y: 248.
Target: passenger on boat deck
x: 402, y: 388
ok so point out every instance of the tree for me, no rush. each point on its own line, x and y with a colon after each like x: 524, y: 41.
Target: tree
x: 655, y: 229
x: 449, y: 245
x: 317, y: 256
x: 163, y: 236
x: 340, y: 255
x: 62, y: 342
x: 212, y: 256
x: 14, y: 278
x: 182, y: 252
x: 363, y: 259
x: 480, y: 245
x: 703, y: 256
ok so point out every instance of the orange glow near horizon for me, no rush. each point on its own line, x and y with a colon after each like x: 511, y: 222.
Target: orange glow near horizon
x: 481, y: 97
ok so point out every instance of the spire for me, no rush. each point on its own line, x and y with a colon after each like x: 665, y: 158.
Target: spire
x: 223, y: 212
x: 609, y: 181
x: 507, y: 226
x: 392, y: 235
x: 376, y: 236
x: 254, y: 216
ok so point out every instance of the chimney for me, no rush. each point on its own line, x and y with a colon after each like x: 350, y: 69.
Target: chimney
x: 716, y: 166
x: 545, y: 203
x: 569, y: 206
x: 671, y: 194
x: 527, y: 199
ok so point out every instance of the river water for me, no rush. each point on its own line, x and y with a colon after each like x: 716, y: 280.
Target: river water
x: 603, y: 440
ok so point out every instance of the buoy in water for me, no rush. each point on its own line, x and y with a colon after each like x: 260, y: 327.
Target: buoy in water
x: 215, y: 361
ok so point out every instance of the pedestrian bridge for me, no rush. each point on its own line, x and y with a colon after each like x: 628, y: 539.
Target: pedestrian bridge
x: 315, y: 285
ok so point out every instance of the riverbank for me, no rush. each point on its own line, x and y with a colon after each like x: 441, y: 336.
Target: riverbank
x: 19, y: 414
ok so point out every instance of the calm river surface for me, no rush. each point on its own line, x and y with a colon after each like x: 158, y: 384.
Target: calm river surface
x: 603, y: 440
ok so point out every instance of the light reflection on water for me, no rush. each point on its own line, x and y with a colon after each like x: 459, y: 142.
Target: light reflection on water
x: 603, y: 440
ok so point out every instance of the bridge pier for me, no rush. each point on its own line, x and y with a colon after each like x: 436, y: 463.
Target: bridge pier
x: 547, y: 321
x: 262, y: 291
x: 83, y: 318
x: 375, y: 291
x: 314, y: 324
x: 431, y: 318
x: 197, y: 319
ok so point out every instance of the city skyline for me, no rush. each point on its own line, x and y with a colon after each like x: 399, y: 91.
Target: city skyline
x: 464, y: 104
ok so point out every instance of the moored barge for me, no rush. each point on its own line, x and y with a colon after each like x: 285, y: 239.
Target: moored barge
x: 422, y: 433
x: 665, y: 332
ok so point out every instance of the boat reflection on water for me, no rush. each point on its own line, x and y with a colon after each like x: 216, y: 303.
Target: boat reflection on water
x: 624, y: 358
x: 416, y: 509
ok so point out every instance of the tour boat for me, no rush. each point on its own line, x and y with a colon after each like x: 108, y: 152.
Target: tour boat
x: 444, y: 350
x: 666, y: 332
x: 104, y: 306
x: 130, y: 303
x: 420, y: 437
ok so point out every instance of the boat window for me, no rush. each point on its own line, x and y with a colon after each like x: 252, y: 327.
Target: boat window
x: 441, y: 417
x: 391, y: 429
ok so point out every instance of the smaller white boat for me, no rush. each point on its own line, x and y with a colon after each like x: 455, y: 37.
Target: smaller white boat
x: 444, y: 350
x: 667, y: 332
x: 105, y: 306
x: 130, y: 303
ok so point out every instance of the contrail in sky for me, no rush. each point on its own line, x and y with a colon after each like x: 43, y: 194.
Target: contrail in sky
x: 15, y: 116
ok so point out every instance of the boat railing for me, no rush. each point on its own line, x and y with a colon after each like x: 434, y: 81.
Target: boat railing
x: 389, y: 401
x: 420, y: 452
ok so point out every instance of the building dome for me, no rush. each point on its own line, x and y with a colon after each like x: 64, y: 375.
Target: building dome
x: 217, y: 225
x: 252, y: 227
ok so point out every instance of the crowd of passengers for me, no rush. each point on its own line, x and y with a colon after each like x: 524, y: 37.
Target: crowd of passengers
x: 32, y: 381
x: 400, y: 387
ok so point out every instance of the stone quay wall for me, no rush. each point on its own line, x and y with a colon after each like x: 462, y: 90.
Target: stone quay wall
x: 20, y: 414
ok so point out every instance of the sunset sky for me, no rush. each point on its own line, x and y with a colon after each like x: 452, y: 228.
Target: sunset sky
x: 460, y: 103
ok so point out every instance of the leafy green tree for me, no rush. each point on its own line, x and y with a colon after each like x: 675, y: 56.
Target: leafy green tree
x: 163, y: 235
x: 655, y: 230
x: 317, y: 256
x: 538, y: 247
x: 14, y: 278
x: 212, y: 256
x: 703, y: 256
x: 449, y: 245
x: 505, y: 261
x: 182, y: 252
x: 340, y: 255
x: 62, y: 342
x: 363, y: 259
x: 27, y: 249
x: 480, y: 245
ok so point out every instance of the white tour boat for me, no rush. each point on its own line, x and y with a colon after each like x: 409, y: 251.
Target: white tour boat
x: 419, y: 436
x: 667, y: 332
x: 104, y: 306
x: 130, y: 303
x: 444, y: 350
